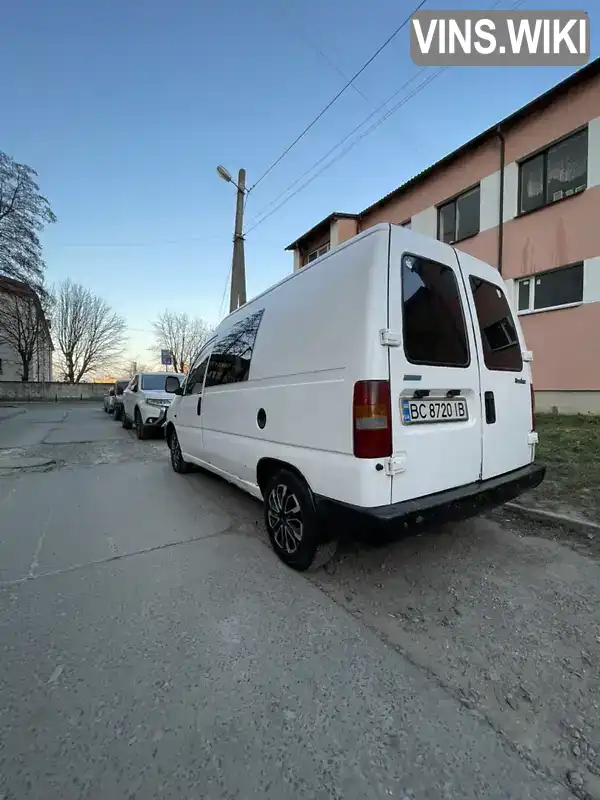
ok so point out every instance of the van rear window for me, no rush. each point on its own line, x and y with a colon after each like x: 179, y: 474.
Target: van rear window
x: 434, y: 324
x: 501, y: 347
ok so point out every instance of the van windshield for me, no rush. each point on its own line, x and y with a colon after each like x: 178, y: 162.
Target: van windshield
x: 434, y: 324
x: 121, y: 385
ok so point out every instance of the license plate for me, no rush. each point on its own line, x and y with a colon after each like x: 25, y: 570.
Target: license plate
x: 434, y: 410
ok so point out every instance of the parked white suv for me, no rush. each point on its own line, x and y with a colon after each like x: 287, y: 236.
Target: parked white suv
x: 145, y: 402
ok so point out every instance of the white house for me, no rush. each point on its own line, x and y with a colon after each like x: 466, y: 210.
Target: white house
x: 24, y: 329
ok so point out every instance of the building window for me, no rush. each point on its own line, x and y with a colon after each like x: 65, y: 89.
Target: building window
x: 459, y: 218
x: 430, y: 292
x: 557, y: 172
x: 231, y: 356
x: 501, y: 348
x: 559, y: 287
x: 320, y: 251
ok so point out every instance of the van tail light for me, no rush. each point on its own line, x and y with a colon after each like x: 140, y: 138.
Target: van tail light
x: 372, y: 419
x: 532, y: 407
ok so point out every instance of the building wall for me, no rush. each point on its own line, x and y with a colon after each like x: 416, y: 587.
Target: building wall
x: 564, y: 341
x: 10, y: 364
x: 40, y: 368
x: 425, y: 196
x: 318, y: 241
x: 345, y: 229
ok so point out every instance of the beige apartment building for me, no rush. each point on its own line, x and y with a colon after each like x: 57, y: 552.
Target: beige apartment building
x: 24, y: 325
x: 524, y: 196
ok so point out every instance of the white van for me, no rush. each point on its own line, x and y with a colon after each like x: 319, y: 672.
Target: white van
x: 387, y: 380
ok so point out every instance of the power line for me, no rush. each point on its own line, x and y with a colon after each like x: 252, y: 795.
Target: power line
x: 303, y: 34
x: 352, y: 144
x: 339, y: 94
x: 373, y: 127
x: 221, y: 307
x: 341, y: 142
x: 139, y: 244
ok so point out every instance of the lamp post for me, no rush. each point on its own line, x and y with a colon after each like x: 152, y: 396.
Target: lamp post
x: 237, y: 294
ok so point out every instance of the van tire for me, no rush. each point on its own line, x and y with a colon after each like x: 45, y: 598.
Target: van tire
x: 311, y: 550
x: 177, y: 461
x: 125, y: 421
x: 117, y: 413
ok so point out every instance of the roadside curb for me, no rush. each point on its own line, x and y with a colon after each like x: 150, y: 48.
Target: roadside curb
x: 584, y: 526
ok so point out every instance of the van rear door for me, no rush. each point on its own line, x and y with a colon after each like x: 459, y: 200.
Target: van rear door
x: 505, y: 375
x: 434, y: 372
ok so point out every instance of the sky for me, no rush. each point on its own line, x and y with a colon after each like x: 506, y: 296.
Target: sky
x: 126, y: 108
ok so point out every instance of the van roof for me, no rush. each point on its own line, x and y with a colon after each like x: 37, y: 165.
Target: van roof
x: 362, y: 235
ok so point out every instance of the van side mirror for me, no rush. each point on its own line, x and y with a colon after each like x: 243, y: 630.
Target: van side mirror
x: 172, y: 385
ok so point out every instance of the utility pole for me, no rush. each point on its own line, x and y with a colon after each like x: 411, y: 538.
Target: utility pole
x: 237, y: 296
x: 237, y: 293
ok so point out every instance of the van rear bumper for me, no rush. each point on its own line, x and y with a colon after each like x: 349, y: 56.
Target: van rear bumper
x: 453, y: 504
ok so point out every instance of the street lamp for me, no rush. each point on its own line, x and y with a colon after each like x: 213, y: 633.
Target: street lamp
x: 237, y: 295
x: 225, y: 174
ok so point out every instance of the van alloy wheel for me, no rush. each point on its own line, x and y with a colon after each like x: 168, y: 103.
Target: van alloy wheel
x: 285, y: 518
x: 292, y: 523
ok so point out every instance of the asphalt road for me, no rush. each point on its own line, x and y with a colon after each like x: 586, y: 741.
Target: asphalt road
x: 152, y: 646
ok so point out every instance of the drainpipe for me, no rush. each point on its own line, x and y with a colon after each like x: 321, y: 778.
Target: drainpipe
x: 500, y: 135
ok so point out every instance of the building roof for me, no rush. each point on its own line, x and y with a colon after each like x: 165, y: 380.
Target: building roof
x: 582, y: 75
x: 324, y: 223
x: 13, y: 286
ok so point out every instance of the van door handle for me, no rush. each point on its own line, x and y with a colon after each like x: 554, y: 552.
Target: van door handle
x: 490, y: 408
x: 199, y: 406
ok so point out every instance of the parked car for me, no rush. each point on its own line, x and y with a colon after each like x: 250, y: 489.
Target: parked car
x: 386, y: 381
x: 119, y: 388
x: 145, y: 403
x: 109, y: 400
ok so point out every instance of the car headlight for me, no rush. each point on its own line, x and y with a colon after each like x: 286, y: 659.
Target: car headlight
x: 156, y: 402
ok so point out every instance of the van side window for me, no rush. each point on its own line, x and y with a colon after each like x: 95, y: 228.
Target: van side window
x: 195, y: 381
x: 501, y: 348
x: 433, y: 320
x: 231, y: 355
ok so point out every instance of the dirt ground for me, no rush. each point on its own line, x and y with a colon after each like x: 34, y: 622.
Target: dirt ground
x: 506, y: 616
x: 570, y: 447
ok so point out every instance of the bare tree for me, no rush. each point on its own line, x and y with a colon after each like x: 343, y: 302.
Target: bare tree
x: 134, y: 367
x: 89, y: 334
x: 23, y: 214
x: 182, y: 335
x: 23, y: 323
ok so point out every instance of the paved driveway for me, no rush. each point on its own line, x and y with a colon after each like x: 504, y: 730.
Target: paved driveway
x: 152, y: 646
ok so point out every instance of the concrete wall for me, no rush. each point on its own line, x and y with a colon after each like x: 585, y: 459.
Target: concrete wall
x: 30, y: 391
x: 557, y: 402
